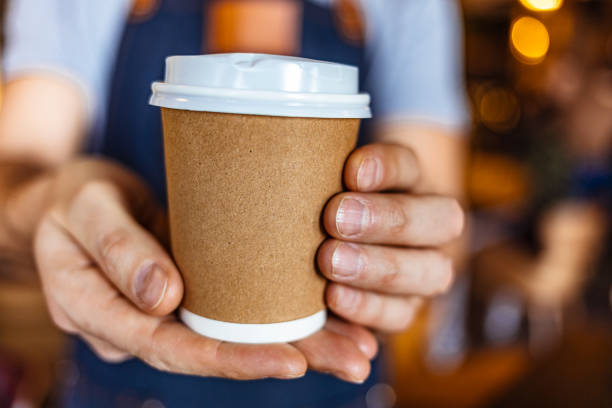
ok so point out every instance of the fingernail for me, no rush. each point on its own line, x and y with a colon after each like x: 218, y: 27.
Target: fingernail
x: 368, y: 174
x: 347, y: 298
x: 351, y: 217
x: 365, y: 350
x: 347, y: 261
x: 150, y: 286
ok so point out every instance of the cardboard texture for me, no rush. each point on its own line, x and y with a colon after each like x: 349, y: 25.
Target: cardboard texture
x: 245, y: 196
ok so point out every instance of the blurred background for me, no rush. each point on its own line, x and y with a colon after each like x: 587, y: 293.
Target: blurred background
x: 529, y: 323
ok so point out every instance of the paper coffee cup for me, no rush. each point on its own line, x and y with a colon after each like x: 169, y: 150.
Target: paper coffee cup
x: 254, y: 146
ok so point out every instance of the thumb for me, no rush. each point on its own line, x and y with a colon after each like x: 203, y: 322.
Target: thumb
x: 131, y: 258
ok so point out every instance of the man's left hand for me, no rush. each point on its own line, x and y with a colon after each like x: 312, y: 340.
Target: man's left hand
x: 385, y: 252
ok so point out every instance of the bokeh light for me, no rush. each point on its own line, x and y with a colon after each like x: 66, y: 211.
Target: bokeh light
x: 495, y: 180
x: 529, y: 39
x: 499, y: 109
x: 542, y: 5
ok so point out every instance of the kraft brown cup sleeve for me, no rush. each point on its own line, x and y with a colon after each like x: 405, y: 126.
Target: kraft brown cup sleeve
x: 245, y: 195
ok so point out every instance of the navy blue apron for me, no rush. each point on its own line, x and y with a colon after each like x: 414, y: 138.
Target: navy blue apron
x: 133, y: 137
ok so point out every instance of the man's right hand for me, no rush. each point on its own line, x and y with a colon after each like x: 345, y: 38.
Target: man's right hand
x: 107, y: 279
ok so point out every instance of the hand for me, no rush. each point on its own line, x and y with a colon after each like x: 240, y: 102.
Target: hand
x: 107, y: 279
x: 384, y: 255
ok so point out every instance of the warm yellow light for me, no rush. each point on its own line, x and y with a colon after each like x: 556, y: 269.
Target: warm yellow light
x: 499, y: 109
x: 542, y: 5
x: 529, y: 39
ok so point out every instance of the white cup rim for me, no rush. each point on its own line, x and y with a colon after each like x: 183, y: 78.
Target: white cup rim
x: 258, y: 102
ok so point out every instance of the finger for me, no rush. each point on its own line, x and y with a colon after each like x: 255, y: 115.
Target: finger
x: 104, y: 350
x: 389, y: 270
x: 362, y: 337
x: 97, y: 309
x: 127, y: 253
x: 168, y: 345
x: 333, y: 353
x: 396, y: 219
x: 180, y: 349
x: 378, y: 167
x: 382, y: 312
x: 58, y: 251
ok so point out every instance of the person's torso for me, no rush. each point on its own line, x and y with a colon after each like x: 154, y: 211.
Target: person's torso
x: 133, y: 137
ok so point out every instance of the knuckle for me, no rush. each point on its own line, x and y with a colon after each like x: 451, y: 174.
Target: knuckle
x: 403, y: 165
x: 422, y: 280
x: 375, y: 308
x: 158, y: 362
x: 47, y: 222
x: 208, y: 361
x: 48, y: 218
x: 396, y: 219
x: 436, y: 278
x: 236, y: 373
x: 93, y: 190
x: 411, y: 161
x: 391, y: 273
x: 149, y: 349
x: 456, y: 218
x: 109, y: 355
x: 144, y: 350
x: 113, y: 245
x: 447, y: 271
x: 51, y: 217
x: 63, y: 324
x: 405, y: 320
x: 88, y: 196
x: 60, y: 320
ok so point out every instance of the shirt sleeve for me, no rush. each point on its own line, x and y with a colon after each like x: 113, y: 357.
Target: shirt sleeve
x: 415, y: 50
x: 77, y: 39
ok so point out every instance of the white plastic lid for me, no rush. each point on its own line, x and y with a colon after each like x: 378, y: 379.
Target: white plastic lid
x: 261, y: 84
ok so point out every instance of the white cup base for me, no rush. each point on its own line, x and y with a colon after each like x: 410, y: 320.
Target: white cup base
x: 250, y: 333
